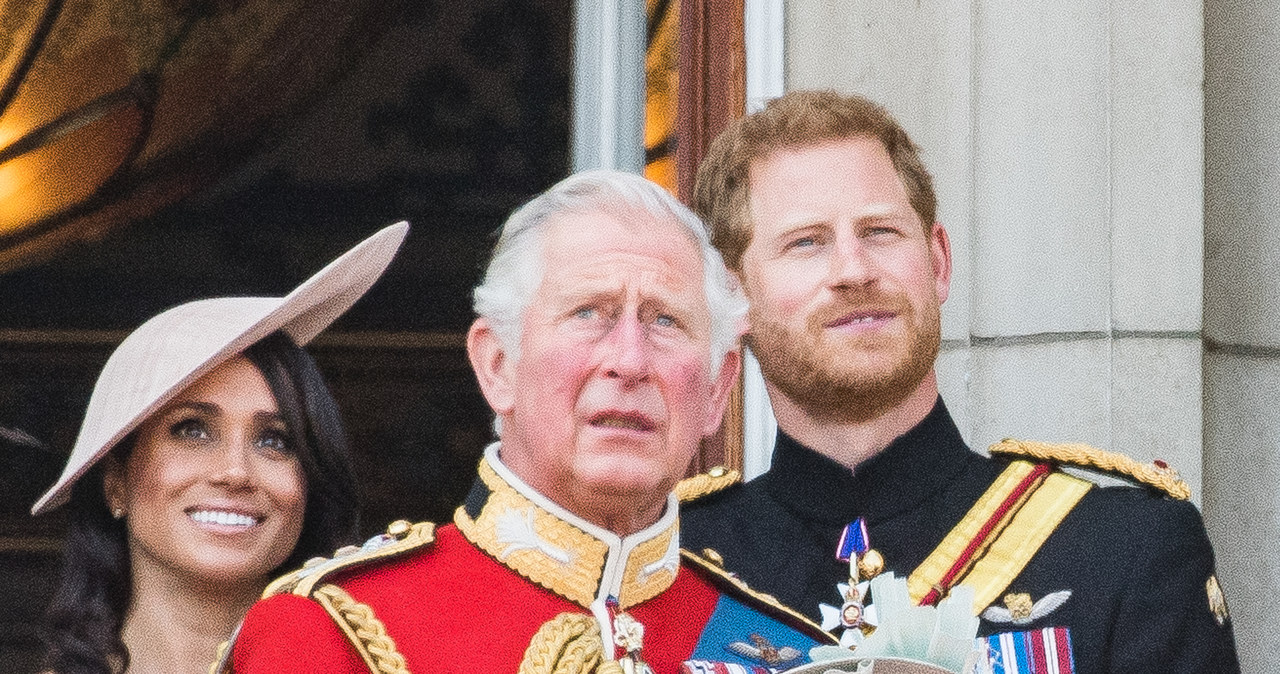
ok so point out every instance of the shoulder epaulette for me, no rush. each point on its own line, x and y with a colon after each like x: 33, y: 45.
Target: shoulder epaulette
x: 712, y: 568
x: 1158, y: 475
x: 400, y: 537
x: 705, y: 484
x: 354, y: 619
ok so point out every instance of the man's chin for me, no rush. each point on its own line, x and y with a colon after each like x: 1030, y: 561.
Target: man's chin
x: 633, y: 481
x: 621, y: 501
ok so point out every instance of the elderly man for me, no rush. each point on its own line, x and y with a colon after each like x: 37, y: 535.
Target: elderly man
x: 606, y: 345
x: 822, y: 206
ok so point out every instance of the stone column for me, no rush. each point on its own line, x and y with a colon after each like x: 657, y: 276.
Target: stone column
x: 1242, y: 315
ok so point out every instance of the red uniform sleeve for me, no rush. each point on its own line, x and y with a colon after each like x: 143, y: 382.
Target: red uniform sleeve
x: 287, y: 634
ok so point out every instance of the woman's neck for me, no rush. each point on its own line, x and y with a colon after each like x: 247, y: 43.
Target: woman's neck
x: 175, y: 623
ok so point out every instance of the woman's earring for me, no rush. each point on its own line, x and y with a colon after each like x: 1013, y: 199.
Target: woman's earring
x: 118, y: 513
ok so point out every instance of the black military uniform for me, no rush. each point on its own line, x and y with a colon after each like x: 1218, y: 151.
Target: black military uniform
x: 1138, y: 565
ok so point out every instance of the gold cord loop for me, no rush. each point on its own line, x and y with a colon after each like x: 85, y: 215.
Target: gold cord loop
x: 363, y: 629
x: 1156, y: 475
x: 568, y: 644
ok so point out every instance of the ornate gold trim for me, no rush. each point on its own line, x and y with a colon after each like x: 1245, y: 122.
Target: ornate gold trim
x: 560, y: 556
x: 401, y: 537
x: 704, y: 484
x: 569, y: 643
x: 363, y: 629
x: 1155, y: 475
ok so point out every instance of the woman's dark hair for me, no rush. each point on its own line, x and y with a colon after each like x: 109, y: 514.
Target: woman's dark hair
x: 83, y: 621
x: 86, y: 614
x: 320, y: 441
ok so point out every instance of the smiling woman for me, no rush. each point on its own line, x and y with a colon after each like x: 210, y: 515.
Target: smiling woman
x: 211, y: 458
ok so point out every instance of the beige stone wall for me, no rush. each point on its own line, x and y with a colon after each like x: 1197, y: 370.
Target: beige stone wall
x: 1242, y: 313
x: 1068, y: 144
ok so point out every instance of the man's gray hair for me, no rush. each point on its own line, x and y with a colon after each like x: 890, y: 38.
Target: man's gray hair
x: 516, y: 268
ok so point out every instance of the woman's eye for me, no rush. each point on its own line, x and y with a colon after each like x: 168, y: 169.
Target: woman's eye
x: 804, y: 242
x: 190, y: 429
x: 276, y: 440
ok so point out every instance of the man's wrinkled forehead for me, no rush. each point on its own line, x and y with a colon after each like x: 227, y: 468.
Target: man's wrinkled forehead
x: 585, y: 251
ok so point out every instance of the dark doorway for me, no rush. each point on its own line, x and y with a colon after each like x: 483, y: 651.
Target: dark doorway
x: 446, y: 114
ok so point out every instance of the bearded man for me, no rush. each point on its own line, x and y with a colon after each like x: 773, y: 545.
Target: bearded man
x: 821, y: 205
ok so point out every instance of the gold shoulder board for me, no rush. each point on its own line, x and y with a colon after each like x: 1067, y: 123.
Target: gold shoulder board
x: 705, y: 484
x: 400, y: 537
x: 1157, y: 475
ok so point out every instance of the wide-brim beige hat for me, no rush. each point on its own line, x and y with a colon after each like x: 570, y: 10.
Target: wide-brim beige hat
x: 171, y: 351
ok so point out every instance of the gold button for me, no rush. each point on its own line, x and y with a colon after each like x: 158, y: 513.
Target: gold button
x: 718, y: 471
x: 713, y: 557
x: 399, y: 528
x: 870, y: 564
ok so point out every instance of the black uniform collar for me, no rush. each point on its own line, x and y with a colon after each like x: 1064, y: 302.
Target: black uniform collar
x: 915, y: 467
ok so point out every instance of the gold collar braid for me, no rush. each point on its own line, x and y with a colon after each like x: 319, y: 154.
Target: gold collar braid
x: 563, y: 553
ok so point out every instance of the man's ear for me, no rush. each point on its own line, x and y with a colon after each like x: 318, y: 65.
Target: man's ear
x: 721, y: 388
x: 940, y: 256
x: 115, y: 484
x: 492, y: 366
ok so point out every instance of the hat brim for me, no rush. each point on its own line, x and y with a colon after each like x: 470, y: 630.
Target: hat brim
x: 172, y: 350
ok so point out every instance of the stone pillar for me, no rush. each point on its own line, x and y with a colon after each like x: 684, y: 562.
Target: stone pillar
x: 1242, y: 316
x: 608, y: 85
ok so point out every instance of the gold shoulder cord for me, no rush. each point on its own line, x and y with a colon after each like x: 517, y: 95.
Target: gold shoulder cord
x: 362, y: 629
x: 1155, y: 475
x: 705, y: 484
x: 356, y: 620
x: 569, y: 643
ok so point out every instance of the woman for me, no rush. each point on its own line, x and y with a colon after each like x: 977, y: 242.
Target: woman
x: 211, y: 458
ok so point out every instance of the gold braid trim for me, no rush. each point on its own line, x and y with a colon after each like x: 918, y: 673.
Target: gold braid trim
x: 568, y: 644
x: 1075, y: 454
x: 401, y: 537
x: 705, y: 484
x: 363, y: 630
x: 221, y: 662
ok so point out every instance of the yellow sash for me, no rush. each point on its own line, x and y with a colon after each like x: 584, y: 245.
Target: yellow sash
x: 999, y: 535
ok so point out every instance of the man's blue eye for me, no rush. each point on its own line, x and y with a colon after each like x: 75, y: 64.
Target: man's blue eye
x: 584, y: 312
x: 665, y: 321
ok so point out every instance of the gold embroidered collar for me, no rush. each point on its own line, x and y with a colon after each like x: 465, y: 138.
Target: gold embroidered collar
x: 562, y: 552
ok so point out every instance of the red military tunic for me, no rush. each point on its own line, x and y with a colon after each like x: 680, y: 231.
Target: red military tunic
x: 472, y: 600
